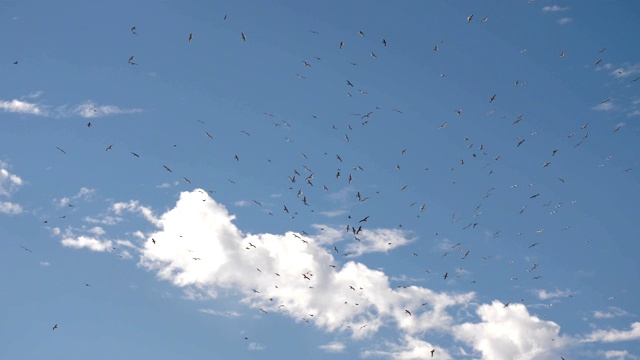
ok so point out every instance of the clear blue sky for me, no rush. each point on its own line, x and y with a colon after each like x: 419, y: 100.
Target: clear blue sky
x: 466, y: 180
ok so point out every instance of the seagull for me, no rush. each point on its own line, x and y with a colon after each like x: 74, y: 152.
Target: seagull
x: 408, y: 312
x: 446, y: 275
x: 562, y: 54
x: 361, y: 33
x: 167, y: 168
x: 520, y: 143
x: 190, y: 37
x: 55, y: 327
x: 349, y: 83
x: 469, y: 18
x: 134, y: 154
x: 492, y: 98
x: 244, y: 37
x: 341, y: 44
x: 384, y: 42
x: 62, y: 151
x: 209, y: 135
x: 25, y: 248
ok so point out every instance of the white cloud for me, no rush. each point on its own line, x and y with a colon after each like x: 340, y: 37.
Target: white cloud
x: 10, y: 208
x: 605, y: 106
x: 617, y: 354
x: 198, y: 246
x: 554, y: 8
x: 135, y: 207
x: 90, y: 110
x: 333, y: 213
x: 253, y: 346
x: 220, y: 313
x: 545, y: 295
x: 84, y: 193
x: 626, y: 71
x: 97, y: 230
x: 44, y: 263
x: 333, y: 347
x: 612, y: 312
x: 614, y: 335
x: 634, y: 113
x: 21, y: 107
x: 564, y: 20
x: 8, y: 182
x: 511, y: 333
x: 87, y: 242
x: 409, y: 348
x: 378, y: 240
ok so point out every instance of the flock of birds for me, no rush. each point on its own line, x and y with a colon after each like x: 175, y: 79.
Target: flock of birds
x: 301, y: 182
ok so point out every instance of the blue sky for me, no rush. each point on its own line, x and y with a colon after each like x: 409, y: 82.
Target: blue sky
x: 499, y: 149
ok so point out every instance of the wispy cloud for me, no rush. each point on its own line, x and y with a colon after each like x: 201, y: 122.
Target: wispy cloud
x: 546, y: 295
x: 554, y: 8
x: 614, y: 335
x: 253, y: 346
x: 8, y: 182
x: 604, y: 106
x: 22, y: 107
x: 564, y: 20
x: 626, y: 70
x: 333, y: 347
x: 610, y: 313
x: 89, y: 109
x: 220, y: 313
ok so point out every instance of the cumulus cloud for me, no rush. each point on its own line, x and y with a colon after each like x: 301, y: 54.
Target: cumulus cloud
x: 197, y: 245
x: 89, y: 109
x: 554, y: 8
x: 21, y: 107
x: 409, y: 348
x: 614, y: 335
x: 511, y: 333
x: 87, y: 242
x: 10, y: 208
x: 333, y: 347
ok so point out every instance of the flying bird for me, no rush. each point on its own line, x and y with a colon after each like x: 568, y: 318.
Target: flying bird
x: 408, y: 312
x: 384, y: 42
x: 62, y: 151
x: 55, y: 327
x: 469, y: 18
x: 190, y: 37
x: 244, y: 37
x: 133, y: 30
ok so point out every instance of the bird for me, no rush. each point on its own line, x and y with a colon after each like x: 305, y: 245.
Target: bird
x: 341, y: 44
x: 361, y: 33
x: 25, y: 248
x: 133, y: 30
x: 493, y: 97
x: 62, y: 151
x: 384, y: 42
x: 190, y: 37
x: 110, y: 147
x: 167, y: 168
x: 349, y: 83
x: 433, y: 351
x: 134, y: 154
x: 520, y: 143
x: 408, y: 312
x: 446, y: 275
x: 364, y: 219
x: 55, y: 327
x: 469, y: 18
x: 244, y: 37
